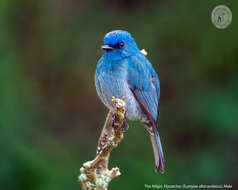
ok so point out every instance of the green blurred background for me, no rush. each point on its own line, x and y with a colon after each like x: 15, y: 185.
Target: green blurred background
x: 51, y: 117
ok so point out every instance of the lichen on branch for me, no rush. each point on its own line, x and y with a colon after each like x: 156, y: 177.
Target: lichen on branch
x: 95, y: 175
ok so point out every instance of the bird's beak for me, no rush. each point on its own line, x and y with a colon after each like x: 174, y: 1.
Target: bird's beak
x: 107, y: 47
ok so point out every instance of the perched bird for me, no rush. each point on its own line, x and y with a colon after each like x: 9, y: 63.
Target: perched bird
x: 124, y: 71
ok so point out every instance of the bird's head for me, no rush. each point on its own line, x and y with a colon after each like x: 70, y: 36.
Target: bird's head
x: 119, y: 44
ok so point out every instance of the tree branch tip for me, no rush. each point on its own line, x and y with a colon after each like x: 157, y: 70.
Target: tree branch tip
x: 119, y: 103
x: 82, y: 170
x: 114, y: 172
x: 82, y: 177
x: 87, y: 164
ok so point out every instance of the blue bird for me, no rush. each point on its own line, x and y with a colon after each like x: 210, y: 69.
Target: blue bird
x: 124, y: 71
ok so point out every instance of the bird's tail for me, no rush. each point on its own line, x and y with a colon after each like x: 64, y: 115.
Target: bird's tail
x: 158, y: 151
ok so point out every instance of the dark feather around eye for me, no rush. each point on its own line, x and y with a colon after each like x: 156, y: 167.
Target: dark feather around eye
x: 121, y: 45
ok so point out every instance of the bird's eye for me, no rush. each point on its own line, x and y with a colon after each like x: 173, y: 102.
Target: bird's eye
x: 121, y: 45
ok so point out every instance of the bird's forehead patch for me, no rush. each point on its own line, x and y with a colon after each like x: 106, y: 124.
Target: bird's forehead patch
x: 117, y: 36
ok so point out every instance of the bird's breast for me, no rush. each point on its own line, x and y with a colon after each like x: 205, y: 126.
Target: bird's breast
x: 111, y: 80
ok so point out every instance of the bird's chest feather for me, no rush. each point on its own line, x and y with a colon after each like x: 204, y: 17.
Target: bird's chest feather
x: 111, y: 80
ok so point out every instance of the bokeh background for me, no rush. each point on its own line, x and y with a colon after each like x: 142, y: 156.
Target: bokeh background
x: 51, y: 117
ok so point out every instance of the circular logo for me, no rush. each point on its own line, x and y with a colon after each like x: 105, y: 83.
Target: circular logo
x: 221, y: 16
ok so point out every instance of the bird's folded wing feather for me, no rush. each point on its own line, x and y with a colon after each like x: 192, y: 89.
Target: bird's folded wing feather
x: 144, y: 84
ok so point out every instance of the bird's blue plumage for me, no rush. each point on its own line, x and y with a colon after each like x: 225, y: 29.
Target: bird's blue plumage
x: 117, y: 36
x: 124, y: 71
x: 144, y: 84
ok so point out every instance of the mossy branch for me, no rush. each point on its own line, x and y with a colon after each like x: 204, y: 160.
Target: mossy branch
x: 95, y: 175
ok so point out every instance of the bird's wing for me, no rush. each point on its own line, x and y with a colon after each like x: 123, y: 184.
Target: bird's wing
x: 144, y: 84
